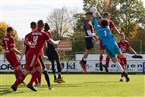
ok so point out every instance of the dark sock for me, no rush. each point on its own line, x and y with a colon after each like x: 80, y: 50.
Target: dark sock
x: 47, y: 78
x: 84, y: 61
x: 53, y: 68
x: 58, y: 68
x: 59, y: 76
x: 54, y: 77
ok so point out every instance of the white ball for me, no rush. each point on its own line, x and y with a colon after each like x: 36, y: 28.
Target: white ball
x: 93, y: 9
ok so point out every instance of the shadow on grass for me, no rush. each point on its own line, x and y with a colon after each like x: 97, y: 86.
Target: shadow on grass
x: 78, y: 84
x: 62, y: 85
x: 103, y: 82
x: 6, y: 89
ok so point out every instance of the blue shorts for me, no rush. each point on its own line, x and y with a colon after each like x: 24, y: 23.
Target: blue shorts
x: 52, y: 55
x: 113, y: 50
x: 89, y: 43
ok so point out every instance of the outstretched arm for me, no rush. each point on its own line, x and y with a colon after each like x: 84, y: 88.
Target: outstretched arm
x: 16, y: 50
x: 96, y: 24
x: 132, y: 50
x: 51, y: 41
x: 116, y: 30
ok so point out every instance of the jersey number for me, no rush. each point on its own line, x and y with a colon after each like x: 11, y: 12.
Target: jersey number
x: 6, y: 45
x: 105, y: 33
x: 34, y: 42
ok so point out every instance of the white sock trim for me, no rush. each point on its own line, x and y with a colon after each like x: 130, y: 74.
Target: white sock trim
x: 120, y: 69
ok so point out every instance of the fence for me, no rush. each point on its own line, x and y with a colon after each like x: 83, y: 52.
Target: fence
x: 79, y: 48
x: 134, y: 65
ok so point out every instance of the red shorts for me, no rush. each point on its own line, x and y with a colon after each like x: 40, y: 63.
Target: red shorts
x: 32, y: 60
x: 122, y: 61
x: 12, y: 58
x: 101, y: 46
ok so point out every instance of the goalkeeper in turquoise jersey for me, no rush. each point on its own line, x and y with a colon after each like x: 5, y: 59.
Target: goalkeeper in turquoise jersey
x: 109, y: 43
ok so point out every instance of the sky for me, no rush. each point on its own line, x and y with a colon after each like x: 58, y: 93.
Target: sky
x: 19, y: 13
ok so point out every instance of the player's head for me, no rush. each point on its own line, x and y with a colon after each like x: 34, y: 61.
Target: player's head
x: 10, y: 30
x: 88, y: 15
x: 122, y: 36
x: 106, y: 15
x: 46, y: 28
x: 40, y: 24
x: 104, y: 22
x: 33, y: 25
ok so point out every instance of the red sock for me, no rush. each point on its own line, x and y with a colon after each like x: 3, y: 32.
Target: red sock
x: 15, y: 74
x: 101, y: 58
x: 34, y: 77
x: 18, y: 73
x: 36, y: 82
x: 107, y: 61
x: 122, y: 74
x: 39, y: 79
x: 19, y: 80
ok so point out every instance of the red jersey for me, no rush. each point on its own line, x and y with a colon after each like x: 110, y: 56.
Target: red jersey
x: 8, y: 43
x: 37, y: 39
x: 123, y: 45
x: 111, y: 25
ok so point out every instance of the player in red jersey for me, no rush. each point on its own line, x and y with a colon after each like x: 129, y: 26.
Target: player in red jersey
x: 11, y: 51
x: 124, y: 45
x: 102, y: 48
x: 41, y: 57
x: 36, y: 41
x: 24, y: 51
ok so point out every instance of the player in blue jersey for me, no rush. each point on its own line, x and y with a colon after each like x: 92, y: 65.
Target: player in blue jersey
x: 109, y: 43
x: 89, y: 38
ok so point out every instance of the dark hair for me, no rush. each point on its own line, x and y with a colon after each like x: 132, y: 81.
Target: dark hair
x: 33, y: 25
x: 40, y: 23
x: 104, y: 23
x: 106, y: 14
x: 89, y: 13
x: 9, y: 29
x: 46, y: 28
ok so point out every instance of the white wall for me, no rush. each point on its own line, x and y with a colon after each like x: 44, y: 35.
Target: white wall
x: 134, y: 65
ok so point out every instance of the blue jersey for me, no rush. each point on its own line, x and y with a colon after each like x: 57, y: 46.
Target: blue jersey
x: 104, y: 34
x: 107, y: 39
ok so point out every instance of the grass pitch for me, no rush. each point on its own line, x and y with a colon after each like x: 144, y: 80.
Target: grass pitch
x: 79, y: 85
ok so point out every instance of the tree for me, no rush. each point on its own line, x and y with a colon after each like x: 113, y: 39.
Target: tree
x: 138, y: 41
x: 131, y: 12
x: 125, y: 13
x: 78, y: 36
x: 61, y: 22
x: 128, y: 16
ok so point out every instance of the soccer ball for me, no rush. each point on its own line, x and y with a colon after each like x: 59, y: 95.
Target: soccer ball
x: 93, y: 9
